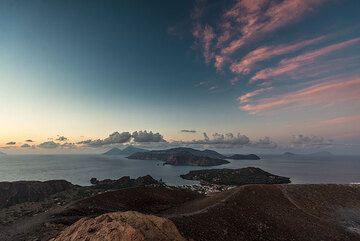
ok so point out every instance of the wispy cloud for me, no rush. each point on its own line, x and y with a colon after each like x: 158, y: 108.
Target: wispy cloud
x: 212, y: 88
x: 205, y: 35
x: 291, y: 64
x: 188, y: 131
x: 303, y: 141
x: 247, y: 20
x: 246, y: 97
x: 264, y: 143
x: 246, y: 64
x: 342, y: 120
x: 327, y: 93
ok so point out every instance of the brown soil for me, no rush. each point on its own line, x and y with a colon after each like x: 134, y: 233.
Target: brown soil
x: 149, y: 200
x: 249, y: 213
x: 12, y: 193
x: 49, y: 218
x: 273, y: 212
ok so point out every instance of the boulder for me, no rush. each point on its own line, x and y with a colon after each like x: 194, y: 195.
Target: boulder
x: 122, y: 226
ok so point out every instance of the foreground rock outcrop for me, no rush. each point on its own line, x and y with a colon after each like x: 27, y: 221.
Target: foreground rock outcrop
x: 29, y: 191
x: 122, y: 226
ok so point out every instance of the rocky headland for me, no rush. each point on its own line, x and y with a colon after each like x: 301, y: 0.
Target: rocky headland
x: 236, y: 177
x: 244, y: 157
x: 123, y: 182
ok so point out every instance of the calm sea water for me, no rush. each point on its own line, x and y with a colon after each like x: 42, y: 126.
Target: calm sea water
x: 78, y: 169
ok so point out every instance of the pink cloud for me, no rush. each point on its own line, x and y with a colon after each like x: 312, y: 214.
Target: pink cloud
x: 267, y: 52
x: 259, y: 17
x: 205, y: 36
x: 246, y: 97
x: 290, y: 64
x: 219, y: 62
x: 326, y: 93
x: 342, y: 120
x: 325, y: 67
x: 287, y: 12
x: 243, y: 22
x: 234, y: 80
x: 225, y: 35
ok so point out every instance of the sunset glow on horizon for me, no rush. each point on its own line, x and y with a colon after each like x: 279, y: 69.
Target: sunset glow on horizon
x: 274, y: 76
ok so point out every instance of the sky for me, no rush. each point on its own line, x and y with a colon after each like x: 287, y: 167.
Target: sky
x: 244, y: 75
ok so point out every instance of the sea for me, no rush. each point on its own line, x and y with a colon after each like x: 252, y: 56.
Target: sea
x: 79, y: 169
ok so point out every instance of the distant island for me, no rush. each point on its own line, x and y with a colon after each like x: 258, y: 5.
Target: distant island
x: 321, y: 153
x: 244, y: 157
x: 237, y: 177
x: 124, y: 152
x: 182, y: 156
x: 318, y: 154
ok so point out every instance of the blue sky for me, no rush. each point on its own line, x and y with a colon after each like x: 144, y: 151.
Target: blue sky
x: 285, y: 70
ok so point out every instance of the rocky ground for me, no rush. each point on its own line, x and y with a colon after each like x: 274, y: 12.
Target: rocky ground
x: 122, y: 226
x: 23, y: 191
x: 273, y: 212
x: 249, y: 212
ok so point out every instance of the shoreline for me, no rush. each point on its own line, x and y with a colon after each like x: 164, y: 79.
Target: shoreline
x: 72, y: 169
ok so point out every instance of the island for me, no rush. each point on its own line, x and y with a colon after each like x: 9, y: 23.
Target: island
x: 314, y: 154
x: 124, y: 152
x: 182, y: 156
x: 235, y: 177
x: 244, y: 157
x: 321, y: 154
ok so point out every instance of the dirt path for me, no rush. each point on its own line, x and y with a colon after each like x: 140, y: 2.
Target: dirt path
x: 298, y: 206
x: 200, y: 205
